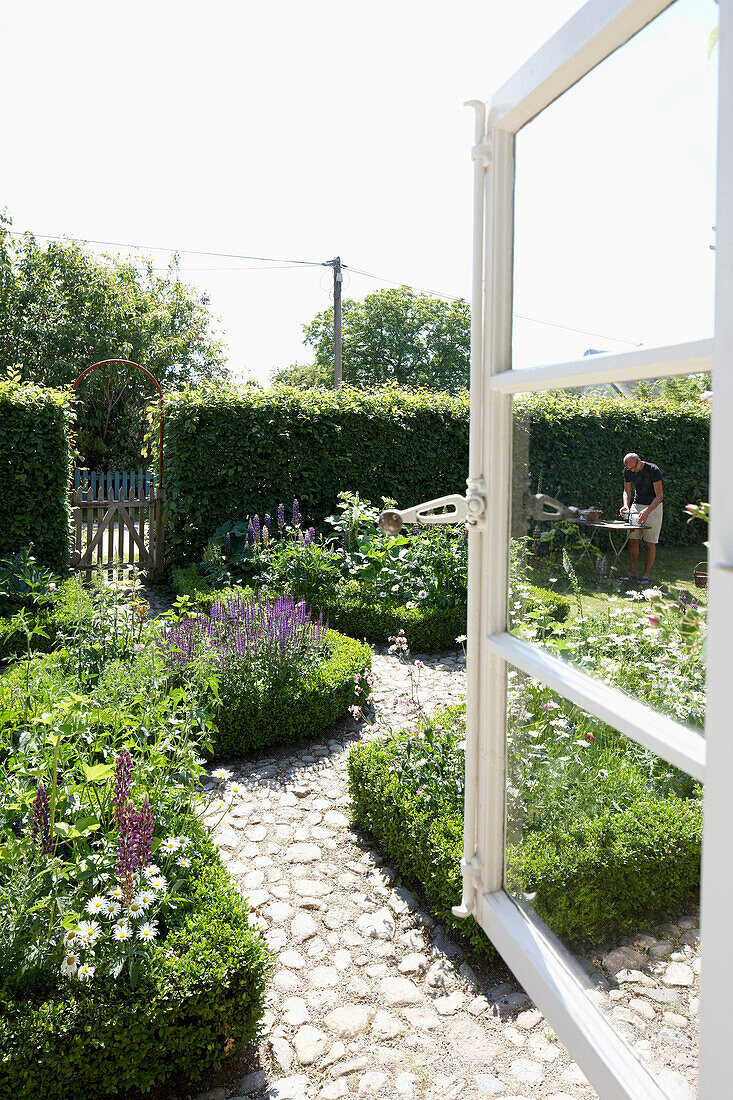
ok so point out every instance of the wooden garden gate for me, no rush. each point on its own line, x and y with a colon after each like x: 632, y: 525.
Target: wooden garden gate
x: 120, y: 523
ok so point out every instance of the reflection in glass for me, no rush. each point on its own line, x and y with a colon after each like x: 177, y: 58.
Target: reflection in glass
x: 570, y: 589
x: 615, y: 200
x: 603, y: 843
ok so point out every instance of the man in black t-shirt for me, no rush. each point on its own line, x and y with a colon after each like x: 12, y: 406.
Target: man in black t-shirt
x: 646, y: 511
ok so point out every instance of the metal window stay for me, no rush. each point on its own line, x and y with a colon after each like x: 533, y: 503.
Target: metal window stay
x: 538, y: 960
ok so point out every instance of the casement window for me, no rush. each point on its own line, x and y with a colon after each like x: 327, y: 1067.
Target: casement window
x: 500, y: 663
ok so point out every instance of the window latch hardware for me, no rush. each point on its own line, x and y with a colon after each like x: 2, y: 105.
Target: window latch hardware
x: 469, y: 509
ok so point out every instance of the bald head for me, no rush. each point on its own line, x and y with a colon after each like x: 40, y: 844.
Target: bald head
x: 631, y: 460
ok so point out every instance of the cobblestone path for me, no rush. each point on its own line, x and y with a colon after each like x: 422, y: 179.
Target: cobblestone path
x: 370, y: 998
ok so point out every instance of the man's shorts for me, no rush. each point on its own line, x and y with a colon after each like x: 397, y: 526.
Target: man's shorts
x: 652, y: 525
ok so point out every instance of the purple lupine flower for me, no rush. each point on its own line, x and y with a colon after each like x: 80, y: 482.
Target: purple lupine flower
x: 307, y: 538
x: 280, y: 517
x: 250, y: 536
x: 312, y: 533
x: 296, y: 513
x: 267, y: 522
x: 256, y: 529
x: 41, y: 821
x: 133, y: 846
x: 121, y: 794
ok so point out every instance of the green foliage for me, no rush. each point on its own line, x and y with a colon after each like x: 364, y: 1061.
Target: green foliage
x: 231, y: 453
x: 54, y: 621
x: 594, y: 875
x: 251, y: 714
x: 304, y: 376
x: 35, y: 472
x: 428, y: 629
x: 63, y: 308
x: 202, y: 993
x: 397, y: 336
x: 573, y: 447
x: 189, y: 582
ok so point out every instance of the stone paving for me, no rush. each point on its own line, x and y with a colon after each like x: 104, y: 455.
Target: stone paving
x: 370, y: 998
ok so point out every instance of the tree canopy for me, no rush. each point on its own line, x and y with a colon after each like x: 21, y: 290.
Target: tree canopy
x: 62, y: 309
x: 397, y: 336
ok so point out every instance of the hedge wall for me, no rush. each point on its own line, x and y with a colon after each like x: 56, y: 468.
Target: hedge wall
x: 35, y: 471
x: 229, y: 453
x: 573, y: 448
x: 233, y: 452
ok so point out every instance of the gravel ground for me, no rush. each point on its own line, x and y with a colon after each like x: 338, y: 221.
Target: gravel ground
x: 370, y: 997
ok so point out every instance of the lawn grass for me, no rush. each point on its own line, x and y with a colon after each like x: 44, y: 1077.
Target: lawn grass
x: 672, y: 572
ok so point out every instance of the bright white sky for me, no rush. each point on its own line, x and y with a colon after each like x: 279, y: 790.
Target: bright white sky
x: 300, y: 131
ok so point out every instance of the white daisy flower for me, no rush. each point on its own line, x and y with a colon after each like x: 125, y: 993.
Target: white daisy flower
x: 183, y: 841
x: 151, y: 870
x: 116, y: 893
x: 235, y: 788
x: 159, y: 882
x: 70, y: 936
x: 69, y: 965
x: 183, y: 862
x: 221, y: 773
x: 146, y: 898
x: 111, y: 907
x: 136, y: 909
x: 88, y: 932
x: 169, y: 845
x: 85, y: 972
x: 95, y: 905
x: 122, y: 931
x: 147, y: 931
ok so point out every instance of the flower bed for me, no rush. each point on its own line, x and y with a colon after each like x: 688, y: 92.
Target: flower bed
x: 281, y: 676
x: 200, y: 994
x: 594, y: 871
x: 125, y: 951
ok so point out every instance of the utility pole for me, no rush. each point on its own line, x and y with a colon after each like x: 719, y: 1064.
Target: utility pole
x: 337, y: 277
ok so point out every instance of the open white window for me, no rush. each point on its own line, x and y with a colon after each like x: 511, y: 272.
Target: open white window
x: 502, y: 665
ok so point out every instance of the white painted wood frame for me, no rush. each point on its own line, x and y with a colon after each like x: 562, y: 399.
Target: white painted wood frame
x: 540, y: 962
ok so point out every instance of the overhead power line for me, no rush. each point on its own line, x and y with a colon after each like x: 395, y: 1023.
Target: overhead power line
x: 282, y: 264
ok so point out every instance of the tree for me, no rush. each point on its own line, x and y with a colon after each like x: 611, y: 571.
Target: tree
x: 62, y: 309
x: 397, y: 336
x: 304, y: 376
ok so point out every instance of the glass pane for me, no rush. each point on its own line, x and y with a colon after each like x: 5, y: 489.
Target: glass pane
x: 615, y: 200
x: 625, y: 604
x: 603, y: 843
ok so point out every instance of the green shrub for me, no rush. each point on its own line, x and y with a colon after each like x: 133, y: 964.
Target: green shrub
x: 189, y: 582
x: 252, y: 714
x: 70, y: 606
x: 548, y: 602
x: 428, y: 629
x: 592, y: 878
x: 35, y: 472
x: 201, y: 994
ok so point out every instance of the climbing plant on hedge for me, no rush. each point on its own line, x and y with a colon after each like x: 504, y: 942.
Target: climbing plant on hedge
x: 232, y: 452
x: 35, y: 468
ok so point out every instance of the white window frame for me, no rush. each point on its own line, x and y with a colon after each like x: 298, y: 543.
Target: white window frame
x: 540, y: 962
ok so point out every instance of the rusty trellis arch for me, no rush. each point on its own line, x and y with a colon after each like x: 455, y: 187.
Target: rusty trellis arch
x: 131, y: 511
x: 129, y: 363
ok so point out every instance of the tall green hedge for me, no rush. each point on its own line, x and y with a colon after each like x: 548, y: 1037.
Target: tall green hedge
x: 573, y: 447
x: 233, y: 452
x: 35, y: 471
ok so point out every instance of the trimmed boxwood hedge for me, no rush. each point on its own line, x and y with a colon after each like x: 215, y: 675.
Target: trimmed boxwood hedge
x: 251, y: 715
x: 427, y: 629
x: 202, y: 994
x: 595, y: 879
x: 35, y: 472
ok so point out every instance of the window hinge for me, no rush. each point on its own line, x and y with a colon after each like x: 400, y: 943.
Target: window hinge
x: 470, y: 509
x: 482, y: 152
x: 471, y: 870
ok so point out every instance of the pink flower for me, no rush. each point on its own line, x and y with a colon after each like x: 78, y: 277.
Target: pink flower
x: 355, y: 713
x: 691, y: 508
x: 652, y: 620
x: 550, y: 706
x: 589, y: 737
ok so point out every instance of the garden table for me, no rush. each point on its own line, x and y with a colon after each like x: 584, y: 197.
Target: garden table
x: 545, y: 508
x: 615, y: 526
